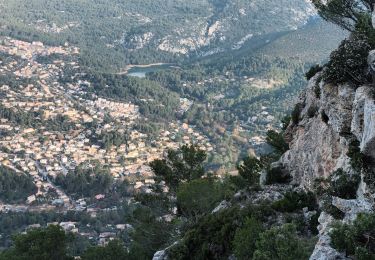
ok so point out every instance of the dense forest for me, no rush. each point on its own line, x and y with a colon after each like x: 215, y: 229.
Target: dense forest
x: 14, y: 186
x: 86, y: 180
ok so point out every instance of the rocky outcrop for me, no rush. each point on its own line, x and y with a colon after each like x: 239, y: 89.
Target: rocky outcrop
x: 160, y: 255
x: 269, y: 193
x: 332, y: 117
x: 223, y: 205
x: 368, y: 136
x: 163, y: 254
x: 363, y: 123
x: 317, y: 147
x: 323, y: 250
x: 352, y: 208
x: 337, y: 103
x: 328, y: 122
x: 138, y: 41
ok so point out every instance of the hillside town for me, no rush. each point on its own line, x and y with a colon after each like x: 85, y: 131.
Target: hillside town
x: 69, y: 125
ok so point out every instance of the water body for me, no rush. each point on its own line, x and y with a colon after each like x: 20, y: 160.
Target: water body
x: 140, y: 71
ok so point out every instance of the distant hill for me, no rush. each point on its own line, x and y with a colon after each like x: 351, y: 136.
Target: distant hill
x: 312, y: 43
x: 156, y: 30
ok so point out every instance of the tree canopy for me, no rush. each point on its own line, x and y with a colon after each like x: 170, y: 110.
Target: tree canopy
x: 39, y: 244
x: 15, y: 186
x: 250, y: 169
x: 184, y: 164
x: 114, y: 250
x: 344, y: 13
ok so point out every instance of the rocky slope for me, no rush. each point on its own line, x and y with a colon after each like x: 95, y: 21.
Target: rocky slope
x: 230, y: 24
x: 331, y: 117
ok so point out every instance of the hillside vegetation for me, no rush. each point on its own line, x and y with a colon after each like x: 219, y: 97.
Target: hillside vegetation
x: 125, y: 32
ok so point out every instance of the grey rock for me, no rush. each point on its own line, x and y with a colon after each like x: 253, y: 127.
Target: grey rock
x: 371, y: 61
x: 263, y: 178
x: 239, y: 196
x: 363, y: 122
x: 319, y: 148
x: 309, y: 97
x: 138, y: 41
x: 337, y: 102
x: 163, y: 254
x: 223, y: 205
x: 352, y: 208
x: 315, y: 151
x: 308, y: 214
x: 357, y: 124
x: 368, y: 138
x: 160, y: 255
x: 268, y: 193
x: 323, y: 249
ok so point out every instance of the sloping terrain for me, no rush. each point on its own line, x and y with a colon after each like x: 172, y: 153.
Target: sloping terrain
x: 126, y: 32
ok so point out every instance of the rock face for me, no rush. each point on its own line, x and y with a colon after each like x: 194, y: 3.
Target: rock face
x: 317, y: 149
x: 368, y: 136
x: 332, y: 117
x: 321, y: 139
x: 363, y: 123
x: 351, y: 208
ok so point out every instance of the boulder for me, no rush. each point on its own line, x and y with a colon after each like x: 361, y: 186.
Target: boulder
x: 269, y: 193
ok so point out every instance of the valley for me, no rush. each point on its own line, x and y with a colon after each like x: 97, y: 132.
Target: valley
x: 92, y: 94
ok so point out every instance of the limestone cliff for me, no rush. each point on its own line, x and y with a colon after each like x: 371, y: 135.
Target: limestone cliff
x: 330, y: 118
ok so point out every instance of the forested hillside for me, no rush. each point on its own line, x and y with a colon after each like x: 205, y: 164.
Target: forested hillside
x: 124, y: 32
